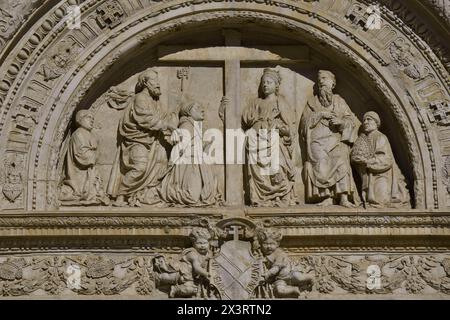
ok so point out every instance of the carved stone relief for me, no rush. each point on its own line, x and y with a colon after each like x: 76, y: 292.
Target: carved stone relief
x: 94, y: 122
x: 60, y: 60
x: 383, y: 182
x: 13, y: 177
x: 210, y: 270
x: 82, y: 184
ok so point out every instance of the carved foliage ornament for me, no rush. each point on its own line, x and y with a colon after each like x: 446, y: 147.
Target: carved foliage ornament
x: 112, y: 275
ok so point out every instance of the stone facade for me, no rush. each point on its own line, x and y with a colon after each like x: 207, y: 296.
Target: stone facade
x: 148, y: 144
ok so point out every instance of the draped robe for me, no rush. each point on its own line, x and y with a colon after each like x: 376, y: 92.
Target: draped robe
x: 327, y: 167
x: 190, y: 184
x: 80, y: 174
x: 383, y: 184
x: 267, y: 114
x: 141, y: 159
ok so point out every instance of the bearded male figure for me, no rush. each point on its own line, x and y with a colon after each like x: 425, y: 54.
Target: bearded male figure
x: 141, y: 159
x: 329, y: 128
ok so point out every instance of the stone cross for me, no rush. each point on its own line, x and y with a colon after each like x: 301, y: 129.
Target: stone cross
x: 109, y: 14
x: 235, y: 232
x: 232, y: 55
x: 440, y: 112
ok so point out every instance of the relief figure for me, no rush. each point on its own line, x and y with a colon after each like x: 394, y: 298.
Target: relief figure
x: 329, y: 128
x: 280, y: 278
x: 262, y: 116
x: 383, y: 184
x: 190, y: 181
x: 82, y: 184
x: 142, y: 156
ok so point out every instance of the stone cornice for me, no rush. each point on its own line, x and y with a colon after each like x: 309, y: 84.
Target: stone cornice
x: 300, y: 223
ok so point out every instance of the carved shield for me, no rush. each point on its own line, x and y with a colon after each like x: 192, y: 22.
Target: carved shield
x: 12, y: 191
x: 235, y: 272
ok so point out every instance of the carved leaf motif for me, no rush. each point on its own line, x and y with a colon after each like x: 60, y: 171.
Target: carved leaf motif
x: 100, y: 268
x: 10, y: 271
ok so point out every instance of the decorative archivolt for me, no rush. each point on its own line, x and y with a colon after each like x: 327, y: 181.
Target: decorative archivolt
x: 48, y: 74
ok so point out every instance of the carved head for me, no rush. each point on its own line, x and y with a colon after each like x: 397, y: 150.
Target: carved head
x: 62, y: 54
x: 13, y: 171
x: 200, y: 240
x: 270, y: 82
x: 149, y: 79
x: 159, y: 263
x: 326, y: 79
x: 14, y: 175
x: 268, y: 240
x: 85, y: 119
x: 194, y: 110
x: 371, y: 121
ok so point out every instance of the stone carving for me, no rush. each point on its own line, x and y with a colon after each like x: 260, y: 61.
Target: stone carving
x: 236, y: 267
x: 114, y: 274
x: 270, y: 112
x: 59, y: 60
x: 183, y: 74
x: 446, y: 173
x: 405, y: 59
x: 110, y: 14
x: 99, y: 275
x: 12, y: 15
x: 280, y: 279
x: 82, y: 184
x: 118, y: 98
x: 141, y: 160
x: 364, y: 16
x: 334, y: 274
x: 194, y: 267
x: 190, y: 181
x: 383, y: 184
x: 13, y: 186
x: 329, y: 128
x: 190, y: 277
x: 11, y: 269
x: 440, y: 113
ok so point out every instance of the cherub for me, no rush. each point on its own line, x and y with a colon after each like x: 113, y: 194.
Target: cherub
x: 286, y: 281
x: 194, y: 273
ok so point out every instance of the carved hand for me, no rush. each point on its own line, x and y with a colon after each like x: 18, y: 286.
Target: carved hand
x: 327, y: 115
x: 175, y: 137
x: 336, y: 121
x: 284, y: 130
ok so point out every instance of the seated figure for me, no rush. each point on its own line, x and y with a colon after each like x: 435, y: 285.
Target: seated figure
x: 383, y: 184
x: 82, y: 184
x: 284, y: 279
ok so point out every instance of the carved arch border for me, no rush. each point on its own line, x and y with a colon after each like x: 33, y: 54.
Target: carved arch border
x: 168, y: 17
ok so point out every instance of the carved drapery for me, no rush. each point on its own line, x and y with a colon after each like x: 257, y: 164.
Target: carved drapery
x: 51, y: 71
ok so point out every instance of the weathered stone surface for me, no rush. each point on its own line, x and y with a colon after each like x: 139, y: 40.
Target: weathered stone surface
x: 199, y: 137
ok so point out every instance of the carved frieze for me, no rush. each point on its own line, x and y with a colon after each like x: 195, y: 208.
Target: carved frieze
x: 111, y: 275
x: 56, y: 72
